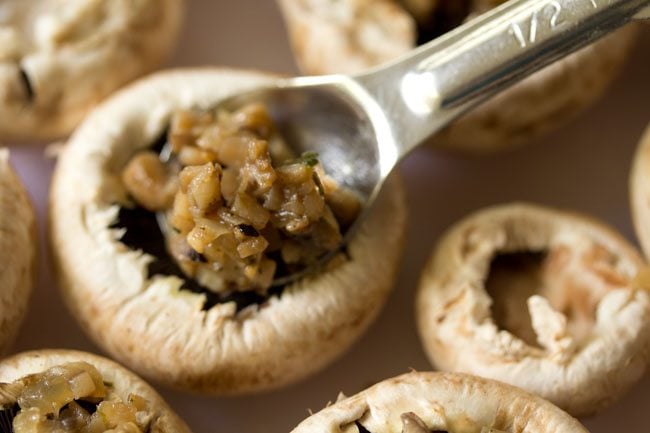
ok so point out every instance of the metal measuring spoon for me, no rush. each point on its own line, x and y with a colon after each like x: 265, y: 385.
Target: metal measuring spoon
x: 362, y: 125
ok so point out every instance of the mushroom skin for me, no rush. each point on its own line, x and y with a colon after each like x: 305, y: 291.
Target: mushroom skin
x: 350, y: 36
x: 167, y: 333
x: 640, y: 191
x: 571, y: 323
x: 58, y: 58
x: 18, y: 251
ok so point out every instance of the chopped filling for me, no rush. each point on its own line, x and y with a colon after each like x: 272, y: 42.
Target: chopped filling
x: 236, y: 205
x: 72, y: 398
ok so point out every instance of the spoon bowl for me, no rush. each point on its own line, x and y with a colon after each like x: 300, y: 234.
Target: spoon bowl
x: 333, y: 117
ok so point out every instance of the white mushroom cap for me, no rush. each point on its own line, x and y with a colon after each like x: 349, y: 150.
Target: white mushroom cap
x: 163, y: 332
x: 586, y: 336
x: 348, y: 36
x: 18, y: 251
x: 444, y: 402
x: 59, y: 58
x: 123, y: 382
x: 640, y: 191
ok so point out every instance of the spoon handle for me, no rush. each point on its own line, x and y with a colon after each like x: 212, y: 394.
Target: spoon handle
x: 433, y: 85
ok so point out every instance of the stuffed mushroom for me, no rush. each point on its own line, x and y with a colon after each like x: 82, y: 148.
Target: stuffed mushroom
x: 170, y: 220
x: 63, y: 390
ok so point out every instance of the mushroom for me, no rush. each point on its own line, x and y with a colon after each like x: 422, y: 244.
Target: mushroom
x: 428, y: 402
x: 18, y: 251
x: 58, y: 382
x: 136, y: 304
x: 58, y: 58
x: 547, y: 300
x: 348, y: 36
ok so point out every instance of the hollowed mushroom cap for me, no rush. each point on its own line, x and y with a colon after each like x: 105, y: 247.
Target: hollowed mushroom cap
x: 348, y: 36
x: 18, y: 250
x: 122, y: 380
x: 550, y: 301
x: 165, y: 333
x: 445, y: 402
x: 59, y: 58
x: 640, y: 192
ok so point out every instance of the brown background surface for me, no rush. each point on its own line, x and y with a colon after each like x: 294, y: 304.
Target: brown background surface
x: 583, y: 166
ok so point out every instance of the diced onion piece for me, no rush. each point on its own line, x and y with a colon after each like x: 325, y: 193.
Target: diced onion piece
x: 114, y: 413
x: 96, y: 424
x: 190, y: 155
x: 204, y: 189
x: 138, y: 402
x: 252, y: 246
x: 190, y: 123
x: 254, y: 117
x: 295, y: 173
x: 248, y: 208
x: 82, y: 385
x: 49, y: 394
x: 181, y: 218
x: 229, y: 183
x: 146, y: 178
x: 29, y: 420
x: 313, y: 205
x: 204, y: 232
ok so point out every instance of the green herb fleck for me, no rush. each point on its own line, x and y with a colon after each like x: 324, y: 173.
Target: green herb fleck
x: 308, y: 158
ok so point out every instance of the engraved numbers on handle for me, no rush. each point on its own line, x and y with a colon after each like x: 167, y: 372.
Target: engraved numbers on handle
x: 548, y: 15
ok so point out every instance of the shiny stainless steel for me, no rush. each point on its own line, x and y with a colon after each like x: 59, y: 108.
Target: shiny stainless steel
x: 362, y: 125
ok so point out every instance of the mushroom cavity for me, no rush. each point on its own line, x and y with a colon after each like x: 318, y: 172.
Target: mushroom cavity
x: 559, y: 287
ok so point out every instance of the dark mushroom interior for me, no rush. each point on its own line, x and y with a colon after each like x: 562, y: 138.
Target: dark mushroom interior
x: 572, y: 280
